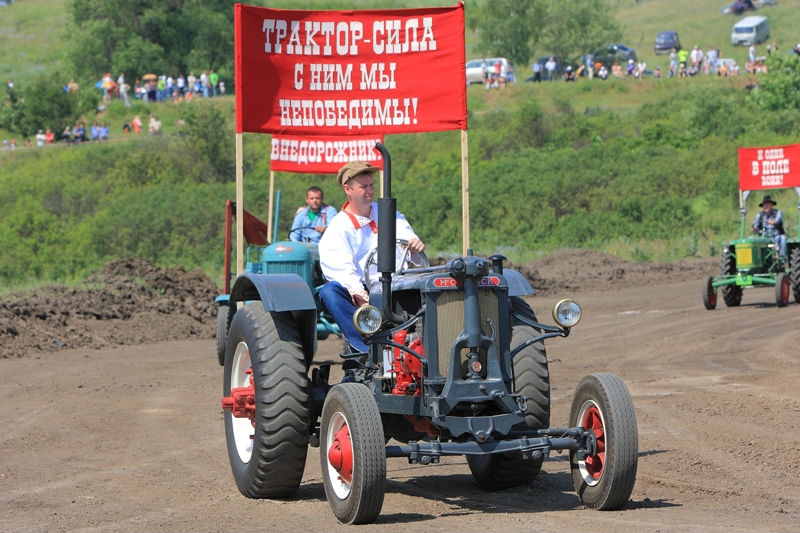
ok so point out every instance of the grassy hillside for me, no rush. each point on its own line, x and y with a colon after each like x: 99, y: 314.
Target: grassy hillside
x: 32, y: 31
x: 31, y: 36
x: 701, y: 23
x: 656, y: 182
x: 642, y: 169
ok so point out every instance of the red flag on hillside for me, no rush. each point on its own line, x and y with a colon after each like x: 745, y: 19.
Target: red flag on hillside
x: 365, y: 72
x: 772, y: 167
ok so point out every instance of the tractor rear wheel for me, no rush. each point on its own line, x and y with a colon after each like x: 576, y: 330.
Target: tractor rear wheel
x: 794, y: 272
x: 709, y: 293
x: 604, y: 480
x: 353, y: 454
x: 266, y: 382
x: 224, y: 317
x: 732, y: 294
x: 532, y: 380
x: 782, y: 289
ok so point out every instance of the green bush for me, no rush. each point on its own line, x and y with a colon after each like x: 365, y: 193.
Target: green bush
x: 658, y: 182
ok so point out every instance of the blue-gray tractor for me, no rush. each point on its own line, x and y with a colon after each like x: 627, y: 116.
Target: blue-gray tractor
x: 456, y: 366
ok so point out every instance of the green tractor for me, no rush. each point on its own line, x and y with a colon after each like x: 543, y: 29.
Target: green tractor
x: 754, y: 261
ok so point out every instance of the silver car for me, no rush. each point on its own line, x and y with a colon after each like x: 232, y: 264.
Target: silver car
x: 476, y: 69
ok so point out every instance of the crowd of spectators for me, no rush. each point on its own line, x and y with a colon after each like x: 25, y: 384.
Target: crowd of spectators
x: 683, y: 63
x: 149, y: 89
x: 155, y: 89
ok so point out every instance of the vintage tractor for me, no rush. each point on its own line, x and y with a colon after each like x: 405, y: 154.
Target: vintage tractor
x: 280, y: 257
x: 456, y: 366
x: 752, y: 261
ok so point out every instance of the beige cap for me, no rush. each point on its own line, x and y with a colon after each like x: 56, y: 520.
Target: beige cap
x: 353, y: 169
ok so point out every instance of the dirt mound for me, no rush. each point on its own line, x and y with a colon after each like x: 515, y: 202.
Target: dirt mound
x: 574, y: 271
x: 132, y: 301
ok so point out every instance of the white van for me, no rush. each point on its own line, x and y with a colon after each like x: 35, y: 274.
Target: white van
x: 750, y: 30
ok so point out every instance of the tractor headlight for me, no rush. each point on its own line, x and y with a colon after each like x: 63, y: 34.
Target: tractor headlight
x: 567, y: 313
x: 367, y: 319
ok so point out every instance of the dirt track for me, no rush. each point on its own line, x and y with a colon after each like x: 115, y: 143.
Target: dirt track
x: 129, y: 437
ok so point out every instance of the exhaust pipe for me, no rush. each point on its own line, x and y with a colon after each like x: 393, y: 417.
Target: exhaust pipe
x: 387, y: 235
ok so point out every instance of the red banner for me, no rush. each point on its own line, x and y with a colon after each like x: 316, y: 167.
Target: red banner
x: 365, y: 72
x: 774, y: 167
x: 321, y: 155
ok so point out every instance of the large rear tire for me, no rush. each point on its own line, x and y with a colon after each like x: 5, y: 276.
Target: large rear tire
x: 353, y: 454
x: 794, y: 272
x: 267, y: 447
x: 531, y: 379
x: 605, y: 479
x: 732, y: 294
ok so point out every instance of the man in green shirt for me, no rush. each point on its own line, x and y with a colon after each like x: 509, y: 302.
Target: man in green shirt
x: 213, y: 79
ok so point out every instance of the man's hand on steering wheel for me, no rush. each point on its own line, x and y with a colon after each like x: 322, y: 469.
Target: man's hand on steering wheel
x: 415, y: 246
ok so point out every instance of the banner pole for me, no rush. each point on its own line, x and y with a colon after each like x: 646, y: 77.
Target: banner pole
x: 269, y: 213
x: 465, y: 191
x: 239, y: 206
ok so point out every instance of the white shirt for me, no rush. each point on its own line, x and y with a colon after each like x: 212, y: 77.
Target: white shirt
x: 347, y: 242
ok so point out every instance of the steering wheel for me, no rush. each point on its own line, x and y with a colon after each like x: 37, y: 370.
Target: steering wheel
x: 298, y: 230
x: 402, y: 259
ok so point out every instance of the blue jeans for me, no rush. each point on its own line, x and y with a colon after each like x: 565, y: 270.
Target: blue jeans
x: 780, y: 240
x: 339, y: 304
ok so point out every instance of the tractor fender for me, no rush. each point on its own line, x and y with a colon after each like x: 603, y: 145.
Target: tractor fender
x: 517, y: 284
x: 281, y: 293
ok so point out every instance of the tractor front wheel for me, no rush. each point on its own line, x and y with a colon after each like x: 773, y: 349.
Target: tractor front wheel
x: 224, y: 317
x: 353, y: 454
x: 782, y: 289
x: 266, y: 403
x: 709, y: 293
x: 604, y: 478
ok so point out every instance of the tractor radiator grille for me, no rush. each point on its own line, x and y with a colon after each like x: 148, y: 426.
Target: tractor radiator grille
x: 450, y: 320
x: 301, y: 268
x: 747, y: 256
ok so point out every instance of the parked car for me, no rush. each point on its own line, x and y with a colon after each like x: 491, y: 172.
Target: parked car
x: 477, y: 67
x: 615, y: 52
x: 666, y: 41
x: 750, y: 30
x: 740, y: 6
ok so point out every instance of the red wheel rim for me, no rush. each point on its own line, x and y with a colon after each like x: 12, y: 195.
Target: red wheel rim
x: 785, y: 291
x: 592, y: 419
x: 712, y: 294
x: 340, y: 454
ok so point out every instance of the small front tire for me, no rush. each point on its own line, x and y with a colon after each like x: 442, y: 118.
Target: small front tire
x: 353, y: 454
x: 605, y: 479
x: 224, y: 316
x: 782, y: 289
x: 709, y: 293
